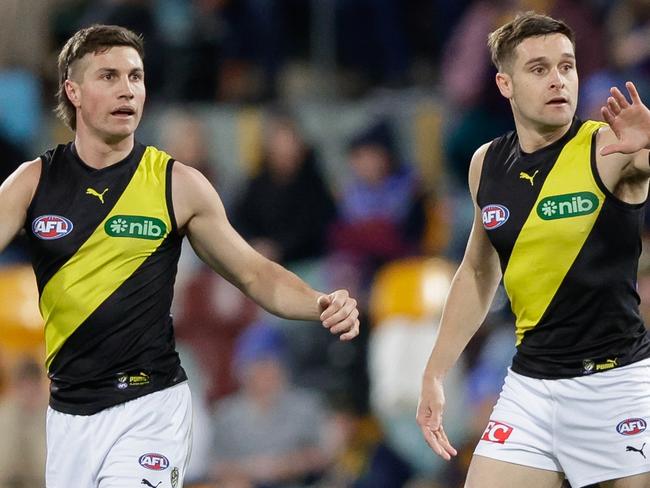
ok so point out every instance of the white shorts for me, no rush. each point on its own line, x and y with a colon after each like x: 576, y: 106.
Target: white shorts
x: 592, y: 428
x: 140, y: 443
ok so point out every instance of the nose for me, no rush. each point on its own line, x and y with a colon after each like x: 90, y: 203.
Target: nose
x: 126, y: 88
x: 556, y: 80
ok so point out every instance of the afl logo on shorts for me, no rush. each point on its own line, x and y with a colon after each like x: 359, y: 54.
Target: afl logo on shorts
x: 631, y: 426
x: 49, y: 227
x: 494, y: 216
x: 153, y: 461
x: 496, y: 432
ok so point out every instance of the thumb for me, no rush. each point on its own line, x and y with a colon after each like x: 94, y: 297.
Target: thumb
x: 324, y: 301
x: 613, y: 148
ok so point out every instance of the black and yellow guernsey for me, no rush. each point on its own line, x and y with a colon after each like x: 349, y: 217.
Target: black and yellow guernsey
x: 569, y: 253
x: 105, y: 247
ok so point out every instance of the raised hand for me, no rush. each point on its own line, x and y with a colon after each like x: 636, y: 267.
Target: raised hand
x: 339, y: 314
x: 429, y: 418
x: 630, y: 122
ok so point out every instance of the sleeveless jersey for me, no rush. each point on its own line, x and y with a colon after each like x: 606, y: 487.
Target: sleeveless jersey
x: 569, y: 253
x: 104, y: 247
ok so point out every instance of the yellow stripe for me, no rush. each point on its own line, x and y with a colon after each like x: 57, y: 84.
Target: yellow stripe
x: 546, y: 249
x: 102, y: 263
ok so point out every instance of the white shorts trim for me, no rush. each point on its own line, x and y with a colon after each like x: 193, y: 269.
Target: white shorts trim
x: 146, y: 439
x: 580, y: 426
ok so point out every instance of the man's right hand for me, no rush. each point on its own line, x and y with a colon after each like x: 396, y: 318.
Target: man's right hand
x: 429, y: 418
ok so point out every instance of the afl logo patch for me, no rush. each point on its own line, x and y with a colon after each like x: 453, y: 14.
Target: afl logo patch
x: 494, y: 216
x: 49, y: 227
x: 631, y: 426
x: 154, y: 461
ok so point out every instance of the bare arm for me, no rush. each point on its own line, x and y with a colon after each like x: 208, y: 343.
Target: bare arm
x: 468, y: 302
x: 200, y: 213
x: 16, y: 194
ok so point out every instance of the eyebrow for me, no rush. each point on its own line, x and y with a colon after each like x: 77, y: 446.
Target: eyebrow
x: 540, y: 59
x: 114, y: 70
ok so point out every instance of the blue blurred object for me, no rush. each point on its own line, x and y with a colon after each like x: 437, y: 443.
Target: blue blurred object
x: 20, y: 106
x: 260, y: 341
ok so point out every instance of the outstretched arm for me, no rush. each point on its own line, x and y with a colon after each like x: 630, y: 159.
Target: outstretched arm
x: 630, y: 122
x: 469, y: 299
x: 15, y: 196
x: 200, y: 213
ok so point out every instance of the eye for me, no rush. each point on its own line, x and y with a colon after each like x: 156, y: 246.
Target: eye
x: 538, y: 70
x: 107, y: 76
x: 137, y: 76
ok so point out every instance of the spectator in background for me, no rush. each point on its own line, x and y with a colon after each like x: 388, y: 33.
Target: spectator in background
x: 268, y: 434
x: 382, y: 207
x: 286, y: 209
x: 22, y: 423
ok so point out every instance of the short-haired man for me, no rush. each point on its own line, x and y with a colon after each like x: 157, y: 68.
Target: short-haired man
x: 105, y: 217
x: 558, y: 214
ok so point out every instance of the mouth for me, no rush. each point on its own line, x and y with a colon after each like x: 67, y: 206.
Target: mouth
x: 123, y: 112
x: 557, y: 101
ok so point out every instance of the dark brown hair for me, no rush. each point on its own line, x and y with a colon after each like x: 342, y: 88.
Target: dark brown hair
x: 503, y: 41
x: 93, y: 39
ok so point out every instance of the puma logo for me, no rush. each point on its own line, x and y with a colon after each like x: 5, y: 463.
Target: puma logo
x: 95, y: 193
x: 640, y: 451
x: 145, y: 482
x: 526, y: 176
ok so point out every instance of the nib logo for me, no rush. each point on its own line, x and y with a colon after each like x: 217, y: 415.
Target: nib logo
x: 135, y: 226
x: 569, y: 205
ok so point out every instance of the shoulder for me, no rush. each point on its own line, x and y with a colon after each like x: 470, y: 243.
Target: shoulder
x: 476, y: 166
x: 27, y: 174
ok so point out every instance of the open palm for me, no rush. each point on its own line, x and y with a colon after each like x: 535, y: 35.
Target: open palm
x: 629, y: 121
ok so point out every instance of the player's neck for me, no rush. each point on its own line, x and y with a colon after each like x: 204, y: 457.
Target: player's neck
x: 98, y: 153
x: 533, y: 137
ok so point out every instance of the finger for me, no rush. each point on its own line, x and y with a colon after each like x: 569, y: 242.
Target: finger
x: 352, y: 333
x: 613, y: 106
x: 634, y: 94
x: 346, y: 323
x: 608, y: 116
x: 444, y: 441
x: 619, y: 97
x: 336, y: 300
x: 433, y: 442
x: 324, y: 301
x: 336, y: 312
x: 610, y: 149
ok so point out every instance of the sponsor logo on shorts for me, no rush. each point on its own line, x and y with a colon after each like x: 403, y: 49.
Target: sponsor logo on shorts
x: 135, y: 226
x: 631, y: 426
x: 634, y: 449
x: 148, y: 483
x: 497, y: 432
x: 174, y: 477
x: 50, y: 227
x: 153, y: 461
x: 568, y: 205
x: 494, y: 216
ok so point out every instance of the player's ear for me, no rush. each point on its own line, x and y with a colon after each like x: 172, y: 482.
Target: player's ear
x: 72, y: 92
x: 504, y: 83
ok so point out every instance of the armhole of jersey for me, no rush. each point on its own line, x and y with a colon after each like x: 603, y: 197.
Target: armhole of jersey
x: 168, y: 194
x: 483, y: 175
x: 46, y: 159
x: 608, y: 194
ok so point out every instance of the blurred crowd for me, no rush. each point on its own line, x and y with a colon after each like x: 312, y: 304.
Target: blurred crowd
x: 339, y: 134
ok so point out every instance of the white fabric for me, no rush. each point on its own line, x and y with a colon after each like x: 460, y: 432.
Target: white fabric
x: 146, y: 439
x: 575, y: 425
